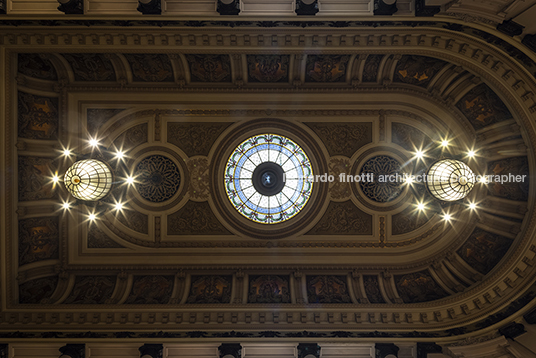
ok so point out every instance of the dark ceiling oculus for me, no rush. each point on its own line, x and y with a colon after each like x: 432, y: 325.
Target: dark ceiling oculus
x: 268, y: 178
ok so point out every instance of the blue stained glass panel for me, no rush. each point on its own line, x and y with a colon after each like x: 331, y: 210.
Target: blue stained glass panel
x: 239, y: 185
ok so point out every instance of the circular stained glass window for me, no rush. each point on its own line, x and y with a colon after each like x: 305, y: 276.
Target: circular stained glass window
x: 266, y: 178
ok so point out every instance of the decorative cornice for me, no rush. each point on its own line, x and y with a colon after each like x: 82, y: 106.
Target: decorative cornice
x: 252, y: 317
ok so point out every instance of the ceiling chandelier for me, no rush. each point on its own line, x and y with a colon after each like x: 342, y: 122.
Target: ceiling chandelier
x: 450, y: 180
x: 88, y: 180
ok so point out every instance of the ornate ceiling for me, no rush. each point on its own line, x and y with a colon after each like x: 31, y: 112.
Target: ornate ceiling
x: 359, y: 258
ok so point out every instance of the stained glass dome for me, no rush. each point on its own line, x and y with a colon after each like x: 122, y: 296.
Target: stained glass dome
x: 266, y: 178
x: 88, y: 179
x: 450, y: 180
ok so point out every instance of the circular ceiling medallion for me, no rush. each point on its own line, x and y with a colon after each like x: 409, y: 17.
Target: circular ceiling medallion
x: 382, y: 179
x: 450, y: 180
x: 88, y: 179
x: 266, y: 178
x: 157, y: 178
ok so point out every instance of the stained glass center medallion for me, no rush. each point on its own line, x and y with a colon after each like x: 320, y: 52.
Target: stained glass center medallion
x: 267, y: 178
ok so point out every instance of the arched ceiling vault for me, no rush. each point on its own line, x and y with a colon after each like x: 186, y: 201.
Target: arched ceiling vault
x: 367, y: 95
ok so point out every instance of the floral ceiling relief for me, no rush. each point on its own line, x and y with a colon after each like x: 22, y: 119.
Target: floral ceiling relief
x: 97, y: 239
x: 210, y: 289
x: 269, y: 289
x: 199, y: 179
x: 372, y: 66
x: 379, y: 190
x: 96, y: 117
x: 268, y: 68
x: 158, y: 178
x: 409, y: 220
x: 38, y: 240
x: 135, y: 220
x: 372, y: 289
x: 339, y: 190
x: 91, y: 290
x: 209, y: 68
x: 195, y: 138
x: 417, y: 70
x: 418, y: 287
x: 91, y: 66
x: 34, y: 182
x: 343, y: 219
x: 133, y: 137
x: 150, y: 67
x: 38, y: 290
x: 483, y: 250
x: 482, y: 107
x: 37, y: 66
x: 343, y: 138
x: 151, y: 290
x: 327, y: 289
x: 510, y: 190
x: 195, y: 218
x: 326, y: 68
x: 409, y: 137
x: 38, y: 116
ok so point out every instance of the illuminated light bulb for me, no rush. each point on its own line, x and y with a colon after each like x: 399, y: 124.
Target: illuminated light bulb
x: 419, y: 154
x: 421, y: 206
x: 93, y: 142
x: 66, y: 205
x: 445, y: 143
x: 472, y: 206
x: 130, y: 180
x: 92, y: 217
x: 450, y: 180
x: 483, y: 180
x: 118, y: 206
x: 409, y: 180
x: 66, y: 152
x: 446, y: 217
x: 55, y: 179
x: 88, y: 180
x: 471, y: 153
x: 119, y: 154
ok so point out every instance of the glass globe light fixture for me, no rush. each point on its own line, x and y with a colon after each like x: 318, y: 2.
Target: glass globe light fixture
x: 450, y: 180
x: 88, y: 179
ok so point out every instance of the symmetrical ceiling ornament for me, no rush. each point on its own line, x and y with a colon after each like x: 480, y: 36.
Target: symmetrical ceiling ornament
x: 381, y: 178
x: 194, y: 261
x: 88, y: 179
x: 268, y: 178
x: 157, y: 178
